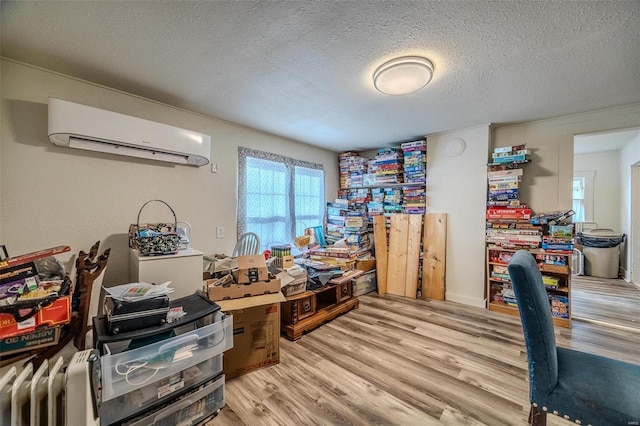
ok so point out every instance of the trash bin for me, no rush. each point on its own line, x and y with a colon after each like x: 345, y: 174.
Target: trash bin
x: 601, y: 252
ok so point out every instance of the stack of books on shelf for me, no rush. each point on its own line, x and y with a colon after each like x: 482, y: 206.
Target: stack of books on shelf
x: 352, y: 170
x: 389, y: 165
x: 508, y: 218
x: 415, y: 161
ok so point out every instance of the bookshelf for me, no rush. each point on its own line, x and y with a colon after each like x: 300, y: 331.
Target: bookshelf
x: 556, y: 273
x: 511, y: 225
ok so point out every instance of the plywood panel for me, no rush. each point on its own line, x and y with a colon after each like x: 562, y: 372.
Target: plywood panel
x: 397, y: 263
x: 433, y: 264
x: 413, y: 255
x: 380, y: 244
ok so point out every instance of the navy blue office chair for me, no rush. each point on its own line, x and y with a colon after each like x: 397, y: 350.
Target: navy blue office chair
x: 581, y: 387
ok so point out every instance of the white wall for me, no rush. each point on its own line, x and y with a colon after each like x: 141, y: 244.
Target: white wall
x: 547, y: 182
x: 606, y: 185
x: 51, y: 195
x: 629, y: 155
x: 457, y: 185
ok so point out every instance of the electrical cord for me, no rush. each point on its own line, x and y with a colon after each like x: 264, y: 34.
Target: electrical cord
x: 157, y: 365
x: 134, y: 368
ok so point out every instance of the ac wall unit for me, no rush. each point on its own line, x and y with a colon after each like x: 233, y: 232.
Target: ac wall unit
x: 84, y: 127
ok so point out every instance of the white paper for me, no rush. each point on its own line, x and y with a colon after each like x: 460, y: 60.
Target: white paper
x: 138, y: 291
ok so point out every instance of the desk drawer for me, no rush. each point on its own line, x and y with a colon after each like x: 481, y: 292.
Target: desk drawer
x: 133, y: 369
x: 343, y: 291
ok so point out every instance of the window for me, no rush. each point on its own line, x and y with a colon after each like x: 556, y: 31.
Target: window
x: 278, y: 196
x: 578, y: 199
x: 583, y: 196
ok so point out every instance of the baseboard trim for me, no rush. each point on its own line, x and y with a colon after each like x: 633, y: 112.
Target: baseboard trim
x: 466, y: 300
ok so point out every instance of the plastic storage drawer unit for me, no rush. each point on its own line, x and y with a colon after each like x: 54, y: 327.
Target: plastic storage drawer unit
x: 129, y: 405
x: 133, y: 369
x: 191, y: 409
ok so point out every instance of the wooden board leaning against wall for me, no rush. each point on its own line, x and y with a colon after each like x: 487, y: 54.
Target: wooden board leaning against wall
x: 398, y: 254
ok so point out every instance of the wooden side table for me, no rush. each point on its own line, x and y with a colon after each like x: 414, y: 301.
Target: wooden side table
x: 306, y: 311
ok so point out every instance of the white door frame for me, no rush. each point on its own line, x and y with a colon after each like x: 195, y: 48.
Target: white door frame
x: 633, y: 242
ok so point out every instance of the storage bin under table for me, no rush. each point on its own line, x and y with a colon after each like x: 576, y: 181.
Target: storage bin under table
x: 365, y: 283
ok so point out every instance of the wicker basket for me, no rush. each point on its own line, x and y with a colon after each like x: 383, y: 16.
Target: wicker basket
x: 166, y: 241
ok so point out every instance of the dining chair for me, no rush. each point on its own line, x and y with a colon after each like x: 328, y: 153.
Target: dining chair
x: 248, y: 243
x: 581, y: 387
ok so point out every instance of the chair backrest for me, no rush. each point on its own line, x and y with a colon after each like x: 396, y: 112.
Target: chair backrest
x: 248, y: 243
x: 537, y: 323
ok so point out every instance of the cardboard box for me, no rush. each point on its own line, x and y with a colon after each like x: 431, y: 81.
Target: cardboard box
x: 251, y: 269
x: 237, y: 291
x: 28, y: 341
x: 283, y: 262
x: 256, y: 333
x: 57, y: 313
x: 366, y: 265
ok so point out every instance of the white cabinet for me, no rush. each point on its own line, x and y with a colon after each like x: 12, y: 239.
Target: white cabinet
x: 183, y: 269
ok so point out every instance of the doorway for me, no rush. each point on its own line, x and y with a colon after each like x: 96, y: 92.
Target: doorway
x: 634, y: 242
x: 607, y: 195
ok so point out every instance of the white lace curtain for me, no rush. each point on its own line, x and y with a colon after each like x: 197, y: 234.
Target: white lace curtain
x: 278, y: 196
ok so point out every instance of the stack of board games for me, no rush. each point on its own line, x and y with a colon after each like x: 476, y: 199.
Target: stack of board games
x: 352, y: 170
x: 415, y: 161
x: 356, y: 229
x: 559, y: 239
x: 415, y: 172
x: 389, y: 165
x: 392, y: 200
x: 508, y: 218
x: 414, y: 199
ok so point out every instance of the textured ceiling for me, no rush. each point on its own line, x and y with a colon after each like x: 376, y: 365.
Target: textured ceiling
x: 303, y: 69
x: 610, y: 141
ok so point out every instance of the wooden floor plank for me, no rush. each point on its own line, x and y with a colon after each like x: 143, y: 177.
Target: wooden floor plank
x: 610, y: 301
x: 401, y: 361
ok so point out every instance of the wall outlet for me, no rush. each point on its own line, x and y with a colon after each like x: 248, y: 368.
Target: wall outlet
x: 219, y: 232
x: 214, y: 167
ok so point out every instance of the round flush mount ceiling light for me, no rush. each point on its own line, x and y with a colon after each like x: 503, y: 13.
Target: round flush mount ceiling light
x: 404, y: 75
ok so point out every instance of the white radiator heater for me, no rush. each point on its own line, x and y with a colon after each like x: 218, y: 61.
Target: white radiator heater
x: 50, y: 396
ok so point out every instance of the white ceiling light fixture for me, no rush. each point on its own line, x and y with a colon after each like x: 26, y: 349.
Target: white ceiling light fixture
x: 403, y: 75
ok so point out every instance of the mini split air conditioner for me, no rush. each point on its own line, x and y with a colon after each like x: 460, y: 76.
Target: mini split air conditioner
x: 84, y: 127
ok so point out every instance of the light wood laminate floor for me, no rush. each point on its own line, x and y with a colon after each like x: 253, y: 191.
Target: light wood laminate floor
x: 608, y: 301
x: 398, y: 361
